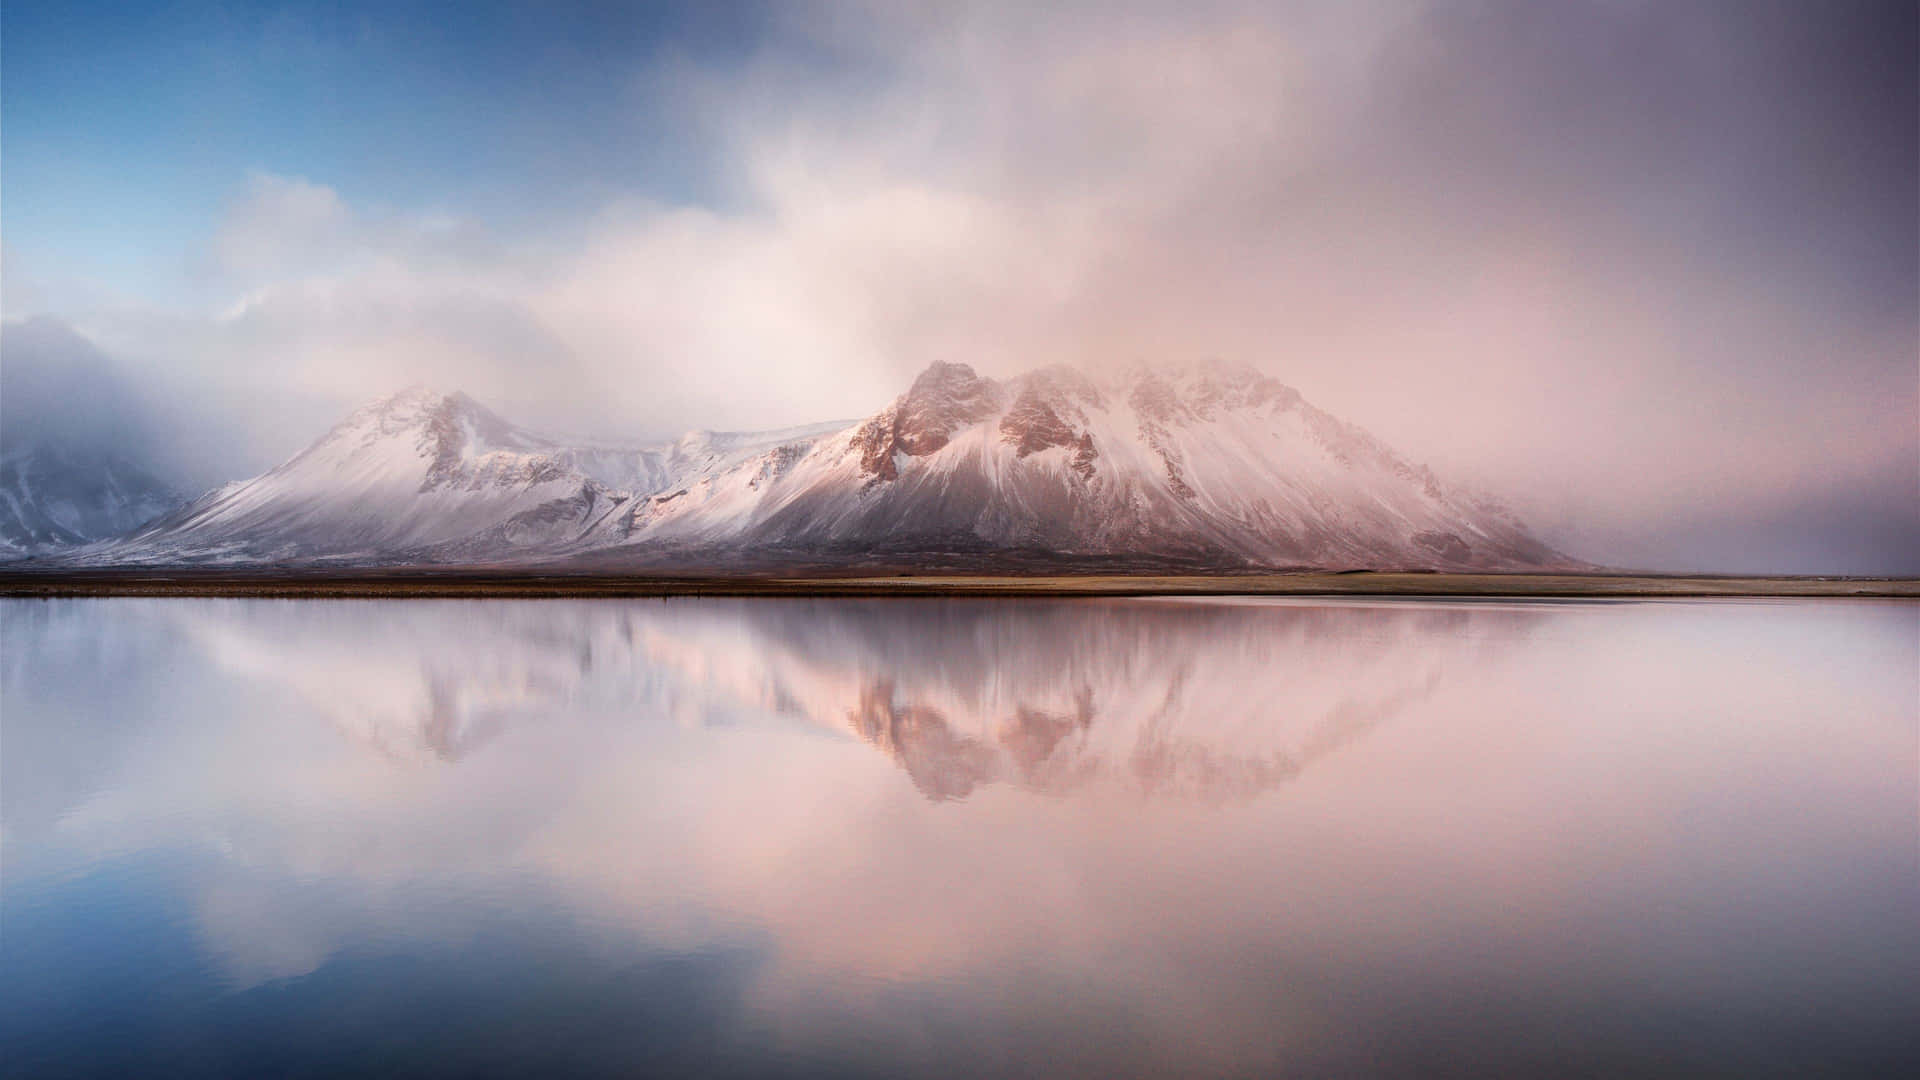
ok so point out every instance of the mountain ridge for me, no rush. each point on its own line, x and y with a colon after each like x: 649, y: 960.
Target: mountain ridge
x: 1207, y: 465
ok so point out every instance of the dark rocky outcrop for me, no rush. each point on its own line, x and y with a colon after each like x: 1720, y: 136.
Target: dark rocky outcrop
x: 945, y: 398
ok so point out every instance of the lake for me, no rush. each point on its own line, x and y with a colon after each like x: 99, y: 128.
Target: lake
x: 894, y: 837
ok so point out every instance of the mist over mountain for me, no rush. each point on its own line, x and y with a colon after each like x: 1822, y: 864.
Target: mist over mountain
x: 77, y: 444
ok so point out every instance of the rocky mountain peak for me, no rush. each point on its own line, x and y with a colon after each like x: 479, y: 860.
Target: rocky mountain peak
x: 443, y: 423
x: 945, y: 398
x: 403, y: 406
x: 1047, y: 411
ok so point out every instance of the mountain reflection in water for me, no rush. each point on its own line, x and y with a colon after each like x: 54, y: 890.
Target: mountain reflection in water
x: 954, y: 837
x: 1214, y: 702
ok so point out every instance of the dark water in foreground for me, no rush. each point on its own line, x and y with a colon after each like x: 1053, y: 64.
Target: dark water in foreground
x: 896, y: 837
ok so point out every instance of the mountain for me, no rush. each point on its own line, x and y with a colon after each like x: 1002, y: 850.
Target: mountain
x: 53, y: 497
x: 1207, y: 466
x: 422, y: 476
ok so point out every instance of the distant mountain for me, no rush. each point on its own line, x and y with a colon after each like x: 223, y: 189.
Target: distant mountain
x: 1208, y: 466
x: 54, y: 497
x: 74, y: 441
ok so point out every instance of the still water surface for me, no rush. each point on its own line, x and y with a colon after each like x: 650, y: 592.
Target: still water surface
x: 958, y: 837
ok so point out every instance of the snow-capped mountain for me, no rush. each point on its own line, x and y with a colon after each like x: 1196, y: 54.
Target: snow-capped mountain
x: 53, y: 497
x: 1211, y: 463
x: 1208, y: 465
x: 426, y: 476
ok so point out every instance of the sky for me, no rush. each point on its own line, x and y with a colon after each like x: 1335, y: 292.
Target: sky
x: 1649, y: 271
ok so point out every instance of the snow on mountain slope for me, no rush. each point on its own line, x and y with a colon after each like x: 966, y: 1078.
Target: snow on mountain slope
x: 1210, y: 462
x: 53, y: 498
x: 647, y: 468
x: 1207, y: 465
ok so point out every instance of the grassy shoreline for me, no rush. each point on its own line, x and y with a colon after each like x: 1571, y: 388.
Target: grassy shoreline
x: 486, y: 583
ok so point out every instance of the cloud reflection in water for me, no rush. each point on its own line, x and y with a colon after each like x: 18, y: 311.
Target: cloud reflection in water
x: 1091, y: 836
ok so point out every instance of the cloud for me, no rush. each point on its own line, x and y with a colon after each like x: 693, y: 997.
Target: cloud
x: 285, y: 224
x: 56, y: 386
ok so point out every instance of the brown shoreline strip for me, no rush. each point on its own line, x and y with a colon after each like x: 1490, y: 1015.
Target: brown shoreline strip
x: 402, y: 584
